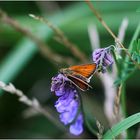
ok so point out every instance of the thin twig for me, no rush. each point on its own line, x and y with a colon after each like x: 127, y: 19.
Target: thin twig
x: 118, y: 110
x: 110, y: 31
x: 60, y: 34
x: 101, y: 130
x: 117, y: 101
x: 44, y: 48
x: 31, y: 103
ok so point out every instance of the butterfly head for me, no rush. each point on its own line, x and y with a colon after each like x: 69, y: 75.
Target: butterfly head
x: 65, y: 71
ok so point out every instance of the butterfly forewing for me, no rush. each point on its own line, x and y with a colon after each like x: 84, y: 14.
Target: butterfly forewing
x: 85, y: 70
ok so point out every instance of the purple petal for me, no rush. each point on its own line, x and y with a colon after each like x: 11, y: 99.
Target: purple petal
x: 97, y: 54
x: 57, y: 82
x: 77, y: 127
x: 108, y: 60
x: 59, y: 93
x: 66, y: 117
x: 99, y: 50
x: 103, y: 58
x: 69, y: 113
x: 109, y: 57
x: 63, y: 102
x: 96, y: 57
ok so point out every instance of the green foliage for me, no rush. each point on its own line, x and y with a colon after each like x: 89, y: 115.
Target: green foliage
x: 128, y: 67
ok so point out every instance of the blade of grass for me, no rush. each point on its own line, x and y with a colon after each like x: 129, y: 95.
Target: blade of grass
x: 121, y: 126
x: 17, y: 59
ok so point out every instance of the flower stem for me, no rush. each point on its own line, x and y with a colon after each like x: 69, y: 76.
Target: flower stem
x: 123, y: 99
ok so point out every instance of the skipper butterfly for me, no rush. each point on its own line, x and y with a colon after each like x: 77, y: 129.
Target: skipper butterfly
x: 80, y: 75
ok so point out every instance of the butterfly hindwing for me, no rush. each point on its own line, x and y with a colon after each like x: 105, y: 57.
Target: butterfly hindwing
x: 83, y: 85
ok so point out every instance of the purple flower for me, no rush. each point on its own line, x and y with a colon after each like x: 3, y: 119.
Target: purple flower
x: 68, y: 103
x: 103, y: 58
x: 58, y: 84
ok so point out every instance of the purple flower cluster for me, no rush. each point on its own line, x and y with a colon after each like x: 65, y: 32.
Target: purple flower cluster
x: 103, y: 58
x: 68, y: 103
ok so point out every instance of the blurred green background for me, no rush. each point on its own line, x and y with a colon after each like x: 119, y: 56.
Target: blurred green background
x: 23, y: 65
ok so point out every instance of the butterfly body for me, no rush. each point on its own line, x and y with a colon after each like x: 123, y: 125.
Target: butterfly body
x: 80, y: 75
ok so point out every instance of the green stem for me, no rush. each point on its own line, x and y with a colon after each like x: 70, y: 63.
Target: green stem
x: 90, y: 128
x: 85, y: 118
x: 123, y: 100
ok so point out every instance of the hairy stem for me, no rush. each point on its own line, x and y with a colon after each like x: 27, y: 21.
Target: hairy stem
x: 62, y: 38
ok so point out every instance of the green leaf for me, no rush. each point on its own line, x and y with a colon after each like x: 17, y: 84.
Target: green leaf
x: 121, y: 126
x: 126, y: 73
x: 136, y: 50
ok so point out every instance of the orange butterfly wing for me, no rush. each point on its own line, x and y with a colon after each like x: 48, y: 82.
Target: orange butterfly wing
x: 85, y: 70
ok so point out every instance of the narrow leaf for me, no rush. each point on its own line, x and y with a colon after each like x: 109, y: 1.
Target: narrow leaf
x: 121, y: 126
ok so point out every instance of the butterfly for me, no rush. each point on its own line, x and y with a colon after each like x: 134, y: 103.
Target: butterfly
x: 80, y: 75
